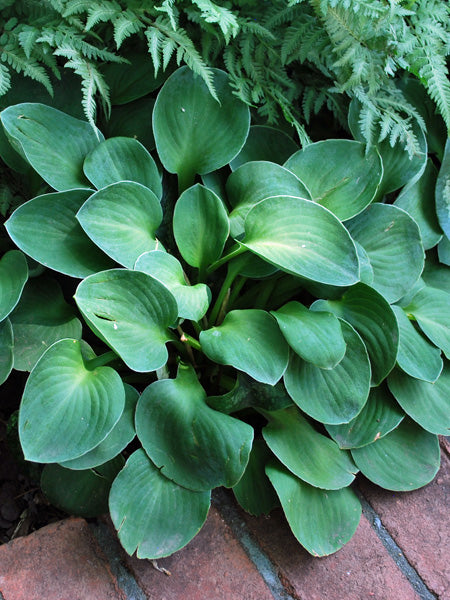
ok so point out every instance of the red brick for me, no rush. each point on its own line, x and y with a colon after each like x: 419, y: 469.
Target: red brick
x: 213, y: 566
x: 59, y: 562
x: 419, y: 523
x: 361, y: 570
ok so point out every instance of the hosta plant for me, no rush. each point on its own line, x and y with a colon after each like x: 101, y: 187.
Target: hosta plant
x: 246, y: 314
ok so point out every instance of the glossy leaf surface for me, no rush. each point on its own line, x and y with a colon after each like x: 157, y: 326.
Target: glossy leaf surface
x: 54, y: 143
x: 122, y: 220
x: 387, y: 232
x: 154, y: 516
x: 405, y: 459
x: 250, y: 341
x: 75, y: 406
x: 122, y: 159
x: 311, y: 456
x: 332, y: 395
x: 46, y: 229
x: 131, y: 311
x: 321, y: 520
x: 13, y: 276
x: 192, y: 444
x: 340, y: 174
x: 302, y: 238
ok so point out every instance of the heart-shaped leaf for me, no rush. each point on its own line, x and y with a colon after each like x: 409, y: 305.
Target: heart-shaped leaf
x: 311, y: 456
x: 55, y: 144
x: 117, y: 439
x: 193, y: 301
x: 340, y: 174
x: 257, y: 180
x: 46, y: 229
x: 415, y: 200
x: 430, y: 308
x: 379, y: 416
x: 195, y: 133
x: 131, y: 311
x: 6, y: 350
x: 442, y: 192
x: 372, y: 317
x: 315, y: 336
x: 250, y: 341
x: 68, y: 409
x: 416, y: 356
x: 254, y: 492
x: 122, y: 159
x: 154, y: 516
x: 265, y: 143
x: 427, y: 403
x: 405, y: 459
x: 82, y: 493
x: 200, y: 226
x: 42, y: 318
x: 435, y: 275
x: 192, y: 444
x: 13, y: 276
x: 122, y: 220
x: 387, y: 232
x: 302, y: 238
x: 332, y: 395
x: 322, y: 520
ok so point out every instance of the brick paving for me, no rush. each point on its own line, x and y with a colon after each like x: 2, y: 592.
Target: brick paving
x: 400, y: 551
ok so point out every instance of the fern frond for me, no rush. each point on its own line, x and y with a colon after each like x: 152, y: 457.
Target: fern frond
x: 27, y: 37
x: 101, y: 12
x: 225, y: 18
x: 168, y: 7
x: 435, y: 77
x: 76, y: 7
x: 126, y: 24
x: 92, y: 83
x: 5, y: 79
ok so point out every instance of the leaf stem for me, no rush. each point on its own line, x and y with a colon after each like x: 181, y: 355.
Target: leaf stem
x: 100, y: 361
x: 236, y: 251
x: 223, y: 294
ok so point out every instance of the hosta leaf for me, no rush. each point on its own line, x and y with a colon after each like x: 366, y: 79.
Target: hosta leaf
x: 443, y: 249
x: 154, y: 516
x: 265, y: 143
x: 117, y: 439
x: 253, y: 182
x: 200, y: 226
x: 46, y: 229
x: 322, y: 520
x: 41, y: 319
x: 415, y: 200
x: 387, y: 232
x: 340, y: 174
x: 302, y: 238
x: 248, y: 392
x: 192, y: 444
x: 66, y: 408
x: 254, y: 492
x: 427, y: 403
x: 250, y: 341
x: 372, y: 317
x: 82, y: 493
x: 122, y: 220
x: 315, y: 336
x: 131, y: 311
x: 13, y: 276
x: 430, y: 307
x: 332, y: 395
x: 311, y: 456
x: 54, y: 143
x: 193, y: 132
x: 6, y: 350
x: 416, y: 356
x: 122, y: 159
x: 193, y: 301
x: 379, y: 416
x: 405, y: 459
x: 443, y: 192
x: 436, y: 275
